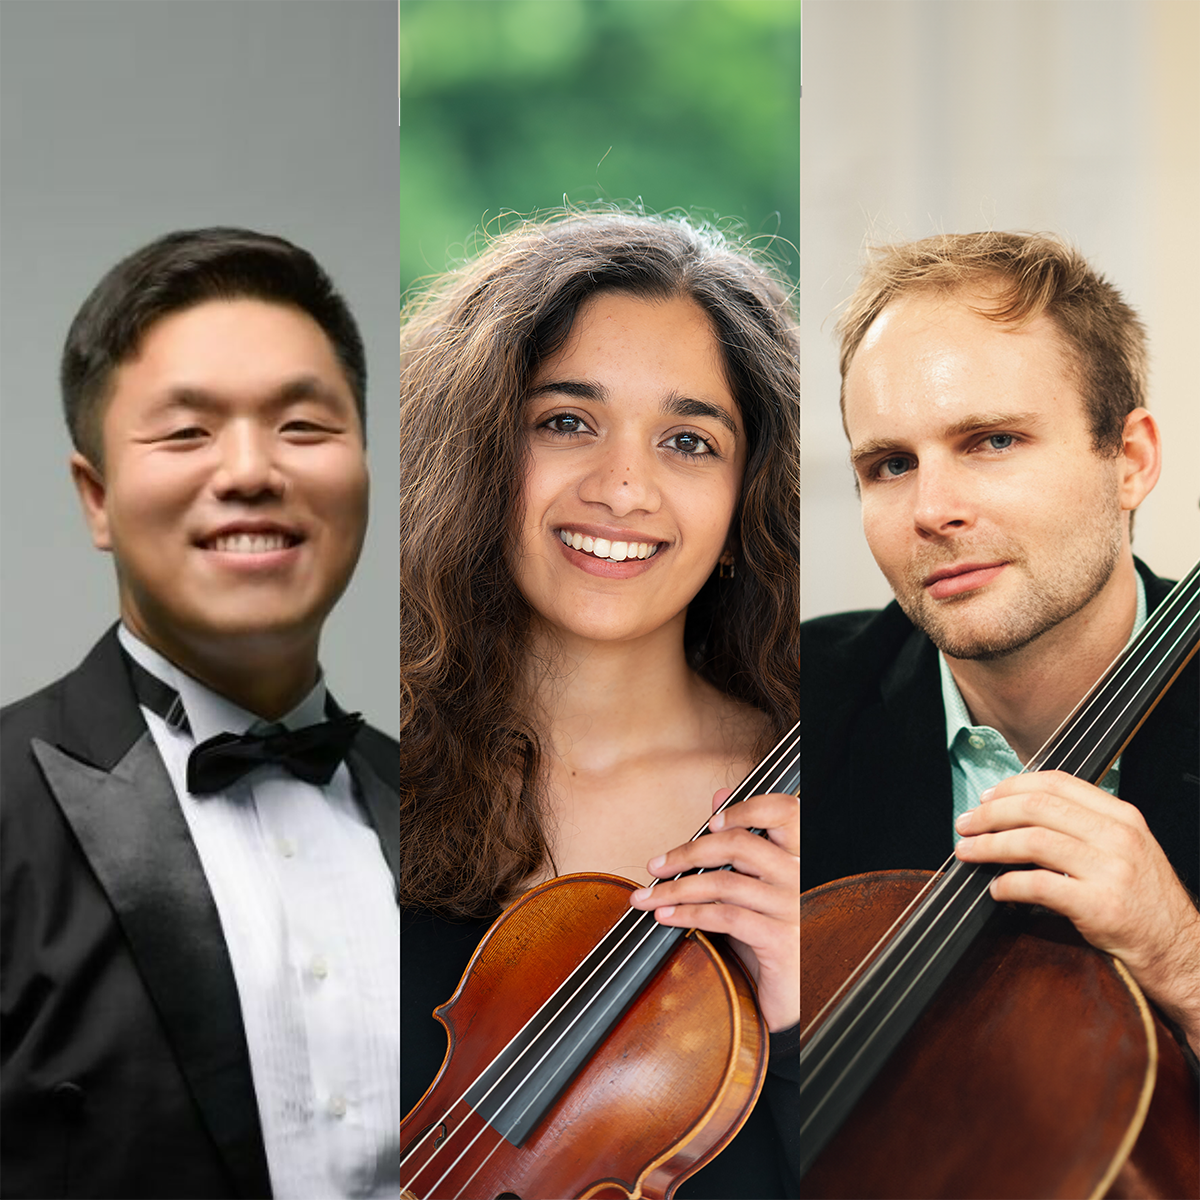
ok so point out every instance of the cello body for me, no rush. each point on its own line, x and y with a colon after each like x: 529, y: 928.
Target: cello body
x: 1038, y: 1070
x: 667, y: 1089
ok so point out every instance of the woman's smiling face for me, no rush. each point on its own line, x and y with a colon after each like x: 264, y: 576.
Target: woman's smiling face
x: 636, y: 452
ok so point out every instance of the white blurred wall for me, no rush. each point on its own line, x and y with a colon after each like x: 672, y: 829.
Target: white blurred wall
x: 1080, y: 117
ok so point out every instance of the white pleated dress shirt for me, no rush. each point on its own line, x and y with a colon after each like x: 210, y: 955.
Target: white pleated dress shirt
x: 308, y: 908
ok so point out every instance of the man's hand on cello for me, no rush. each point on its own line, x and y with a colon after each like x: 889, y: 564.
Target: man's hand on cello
x: 1102, y: 870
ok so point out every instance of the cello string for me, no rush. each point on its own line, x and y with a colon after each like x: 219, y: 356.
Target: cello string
x: 882, y: 1023
x: 1148, y: 646
x: 784, y: 754
x: 856, y: 974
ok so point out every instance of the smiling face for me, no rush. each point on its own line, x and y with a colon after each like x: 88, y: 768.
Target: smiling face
x: 984, y: 501
x: 635, y: 460
x: 233, y: 494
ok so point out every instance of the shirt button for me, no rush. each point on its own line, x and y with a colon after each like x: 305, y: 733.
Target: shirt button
x: 319, y: 968
x: 286, y: 847
x: 976, y: 741
x: 337, y: 1105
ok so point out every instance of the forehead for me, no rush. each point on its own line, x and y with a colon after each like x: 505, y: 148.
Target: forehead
x: 238, y: 337
x: 928, y: 361
x: 626, y: 334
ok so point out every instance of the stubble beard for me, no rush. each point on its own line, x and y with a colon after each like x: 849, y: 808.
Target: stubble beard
x: 1051, y: 596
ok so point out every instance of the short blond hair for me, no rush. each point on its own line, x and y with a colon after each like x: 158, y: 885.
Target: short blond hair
x: 1029, y: 274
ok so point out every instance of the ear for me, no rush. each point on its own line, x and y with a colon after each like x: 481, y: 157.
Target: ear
x: 89, y: 483
x: 1141, y: 458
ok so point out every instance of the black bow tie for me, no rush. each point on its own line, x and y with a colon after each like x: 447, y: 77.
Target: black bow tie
x: 311, y: 753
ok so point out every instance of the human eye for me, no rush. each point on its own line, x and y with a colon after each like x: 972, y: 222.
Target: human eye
x: 895, y: 466
x: 306, y: 429
x: 565, y: 424
x: 999, y: 441
x: 690, y: 444
x: 185, y: 433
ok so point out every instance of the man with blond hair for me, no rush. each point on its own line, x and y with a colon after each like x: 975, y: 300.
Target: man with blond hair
x: 993, y: 395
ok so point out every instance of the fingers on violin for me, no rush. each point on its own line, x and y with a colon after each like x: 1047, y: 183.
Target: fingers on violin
x: 721, y: 889
x: 745, y: 852
x: 775, y: 812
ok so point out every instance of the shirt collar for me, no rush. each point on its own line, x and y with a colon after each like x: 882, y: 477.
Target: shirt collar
x: 208, y: 712
x: 958, y: 718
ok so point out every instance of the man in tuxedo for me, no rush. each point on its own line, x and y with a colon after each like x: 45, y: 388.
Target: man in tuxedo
x: 993, y: 397
x: 200, y: 961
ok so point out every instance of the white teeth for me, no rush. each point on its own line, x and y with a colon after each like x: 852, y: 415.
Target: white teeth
x: 250, y: 543
x: 603, y: 548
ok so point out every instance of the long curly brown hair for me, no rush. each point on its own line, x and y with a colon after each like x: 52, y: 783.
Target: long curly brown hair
x: 470, y: 345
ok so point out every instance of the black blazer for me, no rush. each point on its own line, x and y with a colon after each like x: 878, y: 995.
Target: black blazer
x: 123, y: 1063
x: 876, y: 791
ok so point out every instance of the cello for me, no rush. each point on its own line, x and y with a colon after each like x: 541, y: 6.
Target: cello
x: 592, y: 1051
x: 1074, y: 1086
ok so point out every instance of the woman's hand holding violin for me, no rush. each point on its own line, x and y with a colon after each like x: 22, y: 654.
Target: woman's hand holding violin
x: 757, y: 904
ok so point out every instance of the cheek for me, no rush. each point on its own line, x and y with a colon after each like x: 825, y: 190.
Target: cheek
x: 542, y: 485
x: 881, y: 526
x: 154, y: 500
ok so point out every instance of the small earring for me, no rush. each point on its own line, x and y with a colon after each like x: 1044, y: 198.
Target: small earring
x: 725, y: 570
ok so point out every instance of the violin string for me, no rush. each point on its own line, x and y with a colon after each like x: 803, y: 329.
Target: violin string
x: 651, y: 927
x: 782, y: 754
x: 1167, y: 621
x: 777, y: 765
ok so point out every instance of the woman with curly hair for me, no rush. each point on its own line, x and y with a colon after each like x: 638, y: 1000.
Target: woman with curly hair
x: 600, y: 609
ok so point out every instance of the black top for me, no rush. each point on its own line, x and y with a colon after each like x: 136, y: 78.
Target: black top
x: 433, y: 955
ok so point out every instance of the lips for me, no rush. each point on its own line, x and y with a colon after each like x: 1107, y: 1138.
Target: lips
x: 961, y: 578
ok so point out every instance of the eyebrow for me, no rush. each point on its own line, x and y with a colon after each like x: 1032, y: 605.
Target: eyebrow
x: 292, y: 391
x: 974, y: 423
x: 674, y: 404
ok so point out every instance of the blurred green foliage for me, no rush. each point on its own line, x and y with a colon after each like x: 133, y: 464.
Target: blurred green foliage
x: 524, y: 105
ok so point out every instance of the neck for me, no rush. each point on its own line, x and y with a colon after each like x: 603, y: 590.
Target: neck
x: 1026, y: 695
x: 599, y: 703
x: 267, y: 677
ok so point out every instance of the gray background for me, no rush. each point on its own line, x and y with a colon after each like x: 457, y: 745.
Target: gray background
x: 120, y: 120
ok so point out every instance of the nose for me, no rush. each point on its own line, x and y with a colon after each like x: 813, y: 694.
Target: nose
x: 942, y: 504
x: 247, y: 467
x: 623, y: 476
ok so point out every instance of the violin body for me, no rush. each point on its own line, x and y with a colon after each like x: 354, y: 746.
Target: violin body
x: 667, y: 1089
x: 1038, y: 1070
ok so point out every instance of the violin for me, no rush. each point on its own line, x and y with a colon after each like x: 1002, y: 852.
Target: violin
x: 963, y: 1048
x: 592, y: 1051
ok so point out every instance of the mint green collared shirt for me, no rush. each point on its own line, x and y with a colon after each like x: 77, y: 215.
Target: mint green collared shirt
x: 979, y: 756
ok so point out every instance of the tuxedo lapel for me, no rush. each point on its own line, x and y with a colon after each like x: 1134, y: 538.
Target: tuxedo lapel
x: 122, y: 808
x: 382, y: 804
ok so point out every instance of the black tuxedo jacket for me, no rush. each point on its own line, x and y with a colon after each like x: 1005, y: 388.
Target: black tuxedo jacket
x: 123, y: 1063
x: 876, y: 790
